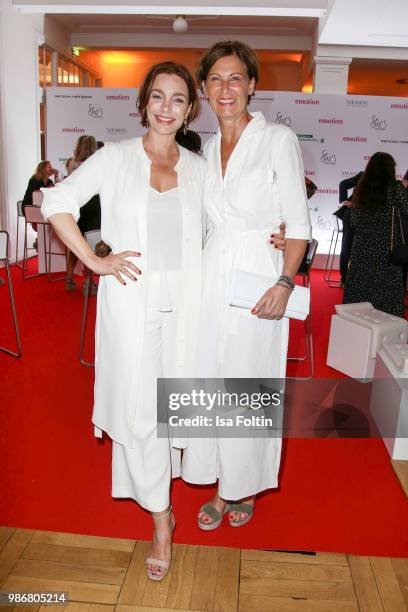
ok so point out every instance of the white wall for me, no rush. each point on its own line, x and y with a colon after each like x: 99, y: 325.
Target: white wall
x: 337, y: 134
x: 57, y: 36
x: 20, y: 35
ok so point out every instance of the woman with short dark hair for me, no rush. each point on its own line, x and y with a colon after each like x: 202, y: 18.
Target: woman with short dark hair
x: 255, y: 180
x: 241, y: 51
x: 372, y: 276
x: 151, y: 201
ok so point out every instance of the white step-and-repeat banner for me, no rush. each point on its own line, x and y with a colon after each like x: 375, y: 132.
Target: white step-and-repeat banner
x: 337, y: 134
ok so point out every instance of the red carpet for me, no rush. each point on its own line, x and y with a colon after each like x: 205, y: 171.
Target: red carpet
x: 335, y: 495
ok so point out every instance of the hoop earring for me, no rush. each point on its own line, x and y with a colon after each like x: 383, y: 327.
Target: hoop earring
x: 185, y: 127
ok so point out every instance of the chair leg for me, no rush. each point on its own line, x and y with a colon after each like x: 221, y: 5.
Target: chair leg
x: 18, y: 226
x: 13, y: 308
x: 305, y: 283
x: 25, y: 249
x: 49, y: 253
x: 89, y: 364
x: 333, y: 283
x: 325, y: 276
x: 309, y: 354
x: 311, y: 351
x: 25, y: 259
x: 332, y: 255
x: 17, y: 244
x: 306, y: 348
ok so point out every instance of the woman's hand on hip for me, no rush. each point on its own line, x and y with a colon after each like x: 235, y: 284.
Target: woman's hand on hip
x: 116, y: 265
x: 278, y: 240
x: 272, y: 304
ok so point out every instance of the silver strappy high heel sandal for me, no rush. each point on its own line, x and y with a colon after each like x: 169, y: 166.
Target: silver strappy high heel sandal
x: 165, y: 565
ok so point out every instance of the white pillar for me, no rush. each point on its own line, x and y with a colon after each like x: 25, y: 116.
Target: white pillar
x: 20, y: 36
x: 54, y: 69
x: 331, y: 74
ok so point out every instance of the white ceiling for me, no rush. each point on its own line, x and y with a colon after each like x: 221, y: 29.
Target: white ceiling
x: 286, y: 26
x: 382, y: 23
x: 354, y: 28
x: 309, y: 8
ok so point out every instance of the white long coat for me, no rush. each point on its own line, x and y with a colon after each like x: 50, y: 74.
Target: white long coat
x: 263, y: 185
x: 120, y: 173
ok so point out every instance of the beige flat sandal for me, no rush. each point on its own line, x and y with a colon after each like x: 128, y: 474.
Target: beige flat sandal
x: 165, y: 565
x: 242, y: 507
x: 213, y: 513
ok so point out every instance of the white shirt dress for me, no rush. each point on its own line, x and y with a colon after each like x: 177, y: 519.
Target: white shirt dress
x: 126, y: 336
x: 263, y: 185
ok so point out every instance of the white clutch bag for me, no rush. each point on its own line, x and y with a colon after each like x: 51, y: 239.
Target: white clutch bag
x: 248, y: 287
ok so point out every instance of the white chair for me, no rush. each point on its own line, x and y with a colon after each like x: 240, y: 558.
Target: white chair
x: 304, y: 272
x: 33, y: 215
x: 20, y: 215
x: 92, y: 238
x: 4, y: 249
x: 357, y: 332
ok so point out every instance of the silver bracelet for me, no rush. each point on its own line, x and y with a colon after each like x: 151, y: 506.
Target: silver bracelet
x: 286, y: 281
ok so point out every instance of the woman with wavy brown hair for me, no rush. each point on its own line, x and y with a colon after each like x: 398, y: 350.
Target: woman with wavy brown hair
x: 41, y: 178
x: 148, y: 297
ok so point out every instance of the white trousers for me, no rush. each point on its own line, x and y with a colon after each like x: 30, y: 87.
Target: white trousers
x: 243, y: 466
x: 143, y: 472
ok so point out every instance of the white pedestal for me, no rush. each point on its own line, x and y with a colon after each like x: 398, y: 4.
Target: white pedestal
x: 389, y: 406
x: 349, y: 349
x: 357, y: 332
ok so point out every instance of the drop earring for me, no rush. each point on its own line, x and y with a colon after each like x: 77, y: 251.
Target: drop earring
x: 185, y: 127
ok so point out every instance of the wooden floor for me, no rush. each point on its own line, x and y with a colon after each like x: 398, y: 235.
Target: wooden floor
x: 104, y: 574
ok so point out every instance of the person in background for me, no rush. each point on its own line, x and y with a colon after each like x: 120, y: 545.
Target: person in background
x: 371, y: 276
x: 343, y: 213
x: 40, y: 178
x: 189, y: 140
x: 70, y: 165
x: 90, y: 213
x: 405, y: 179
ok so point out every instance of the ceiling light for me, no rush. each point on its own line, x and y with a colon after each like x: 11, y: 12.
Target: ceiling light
x: 180, y: 25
